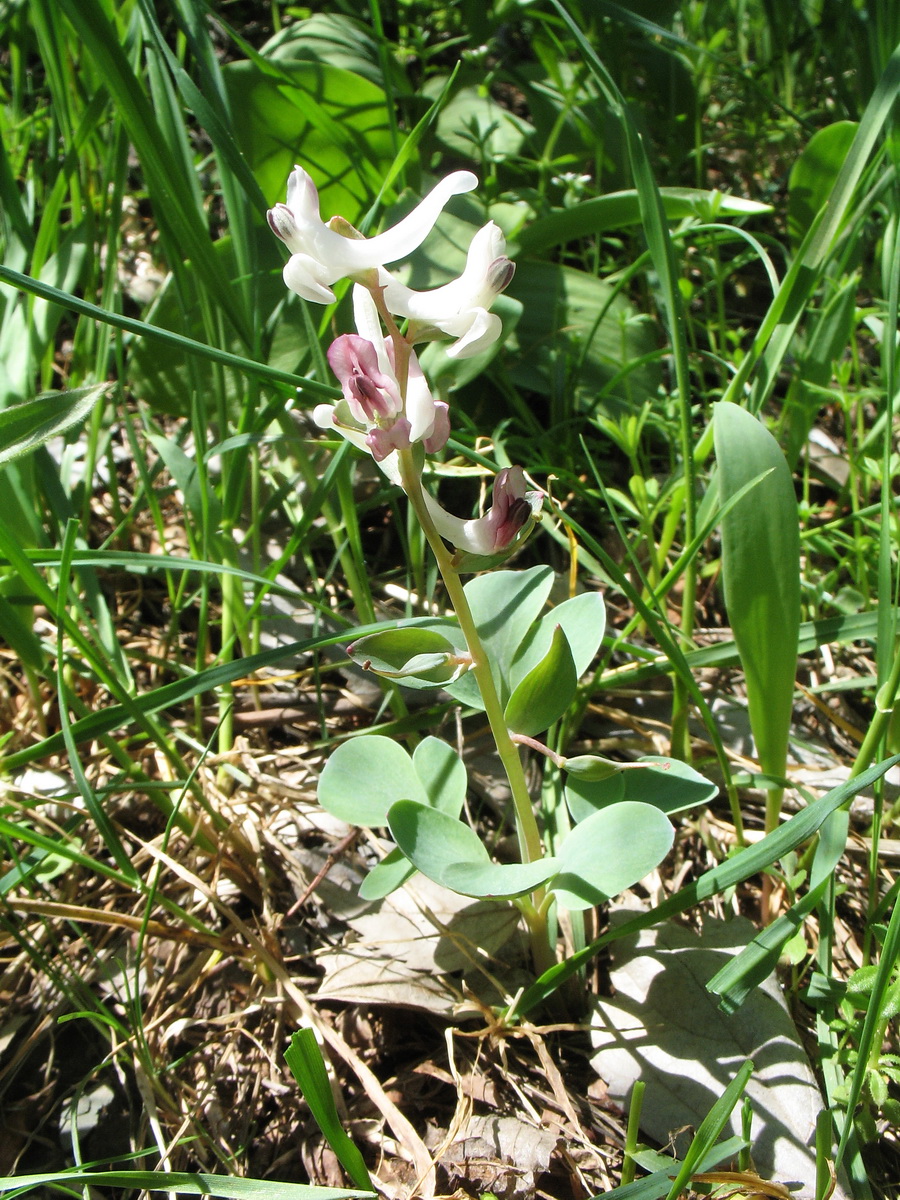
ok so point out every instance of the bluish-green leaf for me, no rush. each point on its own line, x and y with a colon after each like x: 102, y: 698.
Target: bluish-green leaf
x: 584, y: 797
x: 544, y: 694
x: 452, y: 854
x: 583, y: 621
x: 609, y: 852
x: 667, y: 783
x: 433, y: 840
x: 363, y: 778
x: 385, y: 877
x: 505, y: 604
x: 499, y: 881
x: 592, y: 768
x: 443, y: 775
x: 419, y: 658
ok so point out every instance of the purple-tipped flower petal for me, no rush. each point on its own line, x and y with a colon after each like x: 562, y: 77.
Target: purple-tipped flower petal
x: 459, y: 309
x: 513, y: 506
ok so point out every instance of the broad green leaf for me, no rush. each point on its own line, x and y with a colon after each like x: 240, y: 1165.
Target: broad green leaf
x: 24, y: 427
x: 304, y: 1058
x: 332, y: 122
x: 418, y: 657
x: 334, y: 39
x: 452, y: 854
x: 363, y: 778
x: 544, y: 694
x: 667, y: 783
x: 572, y: 315
x: 385, y: 877
x: 473, y: 124
x: 504, y: 606
x: 761, y: 574
x: 618, y: 210
x: 583, y: 621
x: 610, y: 851
x: 443, y: 775
x: 813, y: 175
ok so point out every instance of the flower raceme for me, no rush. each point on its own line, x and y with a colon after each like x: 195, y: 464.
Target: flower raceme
x: 388, y: 406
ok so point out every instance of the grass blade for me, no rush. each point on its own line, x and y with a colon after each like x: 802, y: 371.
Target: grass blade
x: 304, y: 1058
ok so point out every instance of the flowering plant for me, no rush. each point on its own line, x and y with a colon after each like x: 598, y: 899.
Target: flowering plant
x: 503, y: 654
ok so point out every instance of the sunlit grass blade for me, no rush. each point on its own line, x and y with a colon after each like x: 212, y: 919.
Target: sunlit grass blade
x: 305, y: 1060
x: 662, y: 254
x: 229, y: 1187
x: 874, y: 1025
x: 759, y: 959
x: 710, y: 1128
x: 177, y: 211
x: 155, y: 333
x: 115, y: 716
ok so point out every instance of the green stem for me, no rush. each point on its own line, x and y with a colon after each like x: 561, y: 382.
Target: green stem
x: 529, y: 836
x: 885, y: 700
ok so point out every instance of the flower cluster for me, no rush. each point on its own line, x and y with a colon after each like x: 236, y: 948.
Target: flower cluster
x: 387, y: 405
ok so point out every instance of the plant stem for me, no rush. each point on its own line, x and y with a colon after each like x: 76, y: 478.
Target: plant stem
x: 529, y: 836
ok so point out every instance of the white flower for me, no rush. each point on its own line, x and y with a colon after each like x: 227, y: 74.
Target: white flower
x: 459, y: 309
x: 320, y: 255
x: 500, y: 526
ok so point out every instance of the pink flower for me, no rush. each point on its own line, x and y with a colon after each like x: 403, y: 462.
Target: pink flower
x: 372, y: 414
x: 371, y: 394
